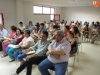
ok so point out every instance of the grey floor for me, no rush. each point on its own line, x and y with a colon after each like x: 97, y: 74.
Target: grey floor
x: 89, y: 63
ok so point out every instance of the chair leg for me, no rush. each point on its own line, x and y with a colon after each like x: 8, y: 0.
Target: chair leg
x: 67, y: 70
x: 80, y: 47
x: 74, y: 61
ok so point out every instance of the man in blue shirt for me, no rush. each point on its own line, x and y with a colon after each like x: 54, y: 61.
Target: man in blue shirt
x: 3, y: 33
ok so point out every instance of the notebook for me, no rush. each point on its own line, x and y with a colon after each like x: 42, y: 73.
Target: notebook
x: 31, y: 52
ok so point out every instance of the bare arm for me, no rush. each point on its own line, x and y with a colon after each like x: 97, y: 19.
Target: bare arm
x: 27, y: 45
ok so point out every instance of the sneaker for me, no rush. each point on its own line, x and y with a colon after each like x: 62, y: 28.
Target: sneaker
x: 11, y: 60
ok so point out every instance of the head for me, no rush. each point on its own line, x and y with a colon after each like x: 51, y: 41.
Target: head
x: 85, y: 23
x: 92, y: 23
x: 18, y: 31
x: 21, y: 24
x: 37, y: 26
x: 13, y: 28
x: 44, y: 35
x: 27, y: 33
x: 44, y: 22
x: 66, y: 28
x: 30, y: 23
x: 42, y: 26
x: 55, y: 27
x: 97, y: 23
x: 75, y: 30
x: 94, y: 26
x: 71, y: 34
x: 87, y: 26
x: 59, y: 35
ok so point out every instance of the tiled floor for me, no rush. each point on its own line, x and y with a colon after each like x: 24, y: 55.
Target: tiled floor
x: 89, y: 63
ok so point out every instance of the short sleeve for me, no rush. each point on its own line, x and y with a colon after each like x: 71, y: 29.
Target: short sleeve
x: 52, y: 43
x: 66, y: 48
x: 30, y: 39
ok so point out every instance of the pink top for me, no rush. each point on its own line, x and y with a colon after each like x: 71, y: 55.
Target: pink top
x: 12, y: 35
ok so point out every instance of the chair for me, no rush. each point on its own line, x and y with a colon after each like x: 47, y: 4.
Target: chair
x: 79, y: 43
x: 52, y: 69
x: 97, y: 38
x: 74, y: 55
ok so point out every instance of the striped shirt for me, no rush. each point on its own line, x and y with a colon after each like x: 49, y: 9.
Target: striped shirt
x: 40, y: 48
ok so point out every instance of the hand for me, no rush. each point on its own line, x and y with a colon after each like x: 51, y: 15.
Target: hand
x: 21, y: 46
x: 48, y: 52
x: 24, y: 51
x: 27, y: 58
x: 57, y: 56
x: 50, y: 48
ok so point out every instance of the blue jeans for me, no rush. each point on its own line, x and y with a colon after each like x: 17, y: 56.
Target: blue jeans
x: 59, y: 68
x: 10, y: 52
x: 19, y: 55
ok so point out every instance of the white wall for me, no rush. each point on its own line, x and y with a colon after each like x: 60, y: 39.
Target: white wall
x: 29, y: 16
x: 7, y: 7
x: 81, y: 13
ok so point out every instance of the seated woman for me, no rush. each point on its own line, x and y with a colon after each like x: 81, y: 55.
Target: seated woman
x: 66, y: 31
x: 24, y: 44
x: 19, y: 55
x: 36, y: 30
x: 86, y: 32
x: 52, y: 33
x: 8, y: 40
x: 94, y: 35
x: 72, y: 41
x: 76, y: 34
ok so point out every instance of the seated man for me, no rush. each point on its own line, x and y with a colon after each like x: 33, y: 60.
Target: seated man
x: 3, y: 33
x: 41, y: 48
x: 58, y: 54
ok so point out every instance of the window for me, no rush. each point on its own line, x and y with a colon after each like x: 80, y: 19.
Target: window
x: 46, y: 10
x: 52, y: 11
x: 37, y: 9
x: 43, y: 10
x: 51, y: 17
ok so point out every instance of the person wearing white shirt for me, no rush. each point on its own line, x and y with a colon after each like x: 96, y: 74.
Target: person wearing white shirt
x: 3, y: 33
x: 21, y: 26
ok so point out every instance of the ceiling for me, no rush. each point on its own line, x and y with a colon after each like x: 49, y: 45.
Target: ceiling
x: 64, y: 3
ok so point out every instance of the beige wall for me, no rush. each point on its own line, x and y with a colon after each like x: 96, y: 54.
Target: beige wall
x: 17, y: 10
x: 7, y: 7
x: 81, y: 13
x: 29, y: 16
